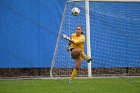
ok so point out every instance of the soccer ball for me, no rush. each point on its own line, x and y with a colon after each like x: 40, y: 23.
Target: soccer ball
x: 75, y: 11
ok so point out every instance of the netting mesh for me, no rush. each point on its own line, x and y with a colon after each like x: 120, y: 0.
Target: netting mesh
x: 115, y: 34
x: 115, y: 37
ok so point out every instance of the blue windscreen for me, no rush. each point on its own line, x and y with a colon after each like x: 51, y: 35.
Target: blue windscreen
x: 28, y: 32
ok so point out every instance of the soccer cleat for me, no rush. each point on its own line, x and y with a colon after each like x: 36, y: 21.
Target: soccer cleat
x: 70, y: 81
x: 90, y: 59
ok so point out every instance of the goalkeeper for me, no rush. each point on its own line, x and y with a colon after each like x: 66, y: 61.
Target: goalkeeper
x: 76, y: 43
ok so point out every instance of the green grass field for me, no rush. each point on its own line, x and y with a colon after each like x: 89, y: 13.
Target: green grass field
x: 94, y: 85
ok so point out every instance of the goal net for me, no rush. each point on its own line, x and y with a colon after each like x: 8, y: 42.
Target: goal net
x: 114, y: 35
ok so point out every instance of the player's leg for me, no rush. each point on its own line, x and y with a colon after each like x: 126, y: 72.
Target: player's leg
x: 78, y: 62
x: 83, y: 55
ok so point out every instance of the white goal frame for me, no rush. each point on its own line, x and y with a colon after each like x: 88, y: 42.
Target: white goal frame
x: 87, y: 29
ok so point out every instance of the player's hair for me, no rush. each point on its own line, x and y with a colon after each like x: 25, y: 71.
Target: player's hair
x: 81, y: 28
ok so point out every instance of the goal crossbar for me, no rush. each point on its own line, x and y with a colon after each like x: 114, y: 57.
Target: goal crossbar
x: 106, y: 0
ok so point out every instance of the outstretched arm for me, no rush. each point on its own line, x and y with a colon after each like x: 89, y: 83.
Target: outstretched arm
x: 67, y: 38
x: 75, y: 41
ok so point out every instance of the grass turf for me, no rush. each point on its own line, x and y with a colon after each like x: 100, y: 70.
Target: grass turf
x: 94, y: 85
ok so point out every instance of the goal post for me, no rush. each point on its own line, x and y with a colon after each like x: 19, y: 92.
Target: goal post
x: 112, y: 35
x: 88, y: 35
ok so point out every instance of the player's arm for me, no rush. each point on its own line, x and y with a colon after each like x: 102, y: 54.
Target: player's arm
x: 67, y: 38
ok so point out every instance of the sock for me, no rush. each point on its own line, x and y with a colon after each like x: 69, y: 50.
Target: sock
x: 74, y: 72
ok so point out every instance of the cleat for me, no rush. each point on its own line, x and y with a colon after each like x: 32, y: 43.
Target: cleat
x: 90, y: 59
x: 70, y: 81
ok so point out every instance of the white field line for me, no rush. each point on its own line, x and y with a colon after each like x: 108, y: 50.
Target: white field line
x: 59, y: 78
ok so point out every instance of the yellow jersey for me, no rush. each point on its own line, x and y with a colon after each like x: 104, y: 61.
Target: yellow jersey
x: 78, y: 41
